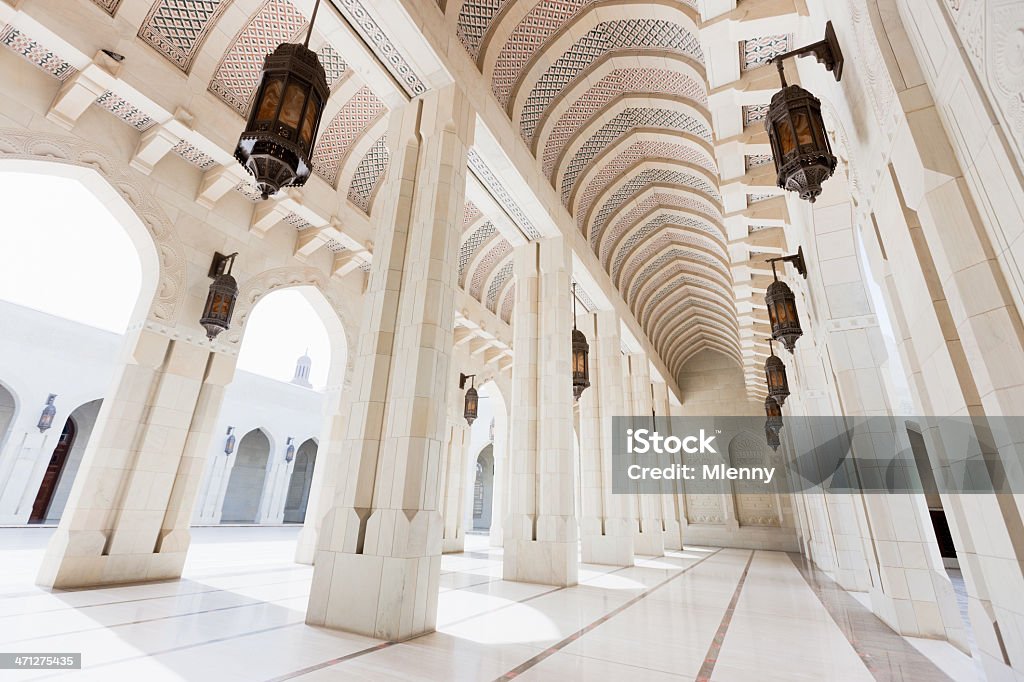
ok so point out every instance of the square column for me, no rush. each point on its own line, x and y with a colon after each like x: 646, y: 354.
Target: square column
x: 671, y: 511
x: 540, y: 533
x: 649, y: 539
x: 378, y: 562
x: 606, y: 528
x: 127, y: 518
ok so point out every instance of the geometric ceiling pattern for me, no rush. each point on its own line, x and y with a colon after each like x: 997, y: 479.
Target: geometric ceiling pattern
x: 347, y: 126
x: 177, y: 28
x: 485, y: 263
x: 615, y: 110
x: 368, y: 175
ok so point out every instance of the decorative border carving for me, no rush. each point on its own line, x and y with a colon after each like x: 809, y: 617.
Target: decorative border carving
x: 382, y: 46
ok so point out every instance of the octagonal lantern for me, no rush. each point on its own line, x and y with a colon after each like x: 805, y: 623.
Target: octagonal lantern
x: 775, y: 375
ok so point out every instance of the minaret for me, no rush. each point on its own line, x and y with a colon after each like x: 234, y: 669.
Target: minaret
x: 302, y: 367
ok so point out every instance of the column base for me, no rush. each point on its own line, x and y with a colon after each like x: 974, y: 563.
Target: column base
x: 385, y: 597
x: 454, y: 544
x: 651, y: 540
x: 611, y: 546
x: 305, y: 550
x: 673, y: 535
x: 553, y: 559
x: 75, y: 559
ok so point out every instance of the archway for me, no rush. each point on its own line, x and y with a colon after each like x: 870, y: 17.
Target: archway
x: 300, y: 482
x: 483, y: 489
x: 489, y: 433
x: 64, y: 462
x: 245, y: 484
x: 8, y: 407
x: 65, y: 319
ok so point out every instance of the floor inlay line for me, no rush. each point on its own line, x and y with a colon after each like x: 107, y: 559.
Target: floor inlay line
x: 558, y: 646
x: 887, y: 655
x: 711, y: 657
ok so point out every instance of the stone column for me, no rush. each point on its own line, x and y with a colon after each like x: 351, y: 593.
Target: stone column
x: 649, y: 539
x: 540, y: 532
x: 453, y: 480
x: 330, y: 455
x: 499, y: 505
x: 378, y: 561
x: 127, y: 518
x: 669, y: 499
x: 606, y: 527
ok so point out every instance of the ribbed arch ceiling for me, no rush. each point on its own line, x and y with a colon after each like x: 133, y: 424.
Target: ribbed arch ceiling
x: 612, y: 98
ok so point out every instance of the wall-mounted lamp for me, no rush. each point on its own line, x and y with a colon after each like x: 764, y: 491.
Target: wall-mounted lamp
x: 46, y: 416
x: 220, y: 302
x: 800, y: 146
x: 775, y: 375
x: 781, y: 302
x: 229, y: 442
x: 580, y: 355
x: 289, y: 453
x: 472, y: 404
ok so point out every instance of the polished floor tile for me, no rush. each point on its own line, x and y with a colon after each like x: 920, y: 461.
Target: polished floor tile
x: 237, y: 614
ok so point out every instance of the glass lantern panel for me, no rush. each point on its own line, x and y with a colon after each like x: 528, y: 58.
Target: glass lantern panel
x: 291, y: 110
x: 309, y: 121
x: 784, y: 133
x: 802, y: 124
x: 271, y: 98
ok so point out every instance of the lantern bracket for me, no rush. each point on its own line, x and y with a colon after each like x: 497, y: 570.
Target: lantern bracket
x: 826, y: 51
x: 797, y: 259
x: 221, y: 264
x: 463, y: 378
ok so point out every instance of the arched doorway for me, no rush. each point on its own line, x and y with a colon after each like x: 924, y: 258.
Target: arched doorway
x: 53, y: 472
x: 245, y: 485
x: 483, y: 489
x: 299, y: 483
x: 83, y: 418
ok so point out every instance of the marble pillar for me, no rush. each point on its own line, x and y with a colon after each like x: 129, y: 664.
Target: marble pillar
x: 378, y: 560
x: 540, y: 532
x: 649, y: 538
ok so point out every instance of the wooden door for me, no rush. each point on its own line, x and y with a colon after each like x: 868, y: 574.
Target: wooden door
x: 52, y: 475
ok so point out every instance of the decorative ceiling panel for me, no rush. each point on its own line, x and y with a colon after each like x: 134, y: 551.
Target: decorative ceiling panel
x: 754, y: 113
x: 501, y: 277
x: 35, y: 53
x: 382, y: 46
x: 657, y: 199
x: 679, y: 256
x: 125, y: 111
x: 756, y: 160
x: 643, y: 81
x: 657, y: 223
x: 500, y: 194
x: 197, y: 158
x: 475, y: 18
x: 239, y: 70
x: 627, y: 120
x: 604, y: 38
x: 177, y: 28
x: 108, y: 6
x: 469, y: 247
x: 488, y: 263
x: 344, y: 129
x: 508, y: 302
x: 369, y: 174
x: 635, y: 152
x: 470, y: 213
x: 638, y: 182
x: 757, y: 52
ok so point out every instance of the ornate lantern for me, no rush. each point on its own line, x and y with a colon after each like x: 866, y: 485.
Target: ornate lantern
x: 800, y: 146
x: 46, y: 417
x: 289, y: 453
x: 775, y: 374
x: 773, y: 412
x: 220, y: 302
x: 276, y: 146
x: 472, y: 405
x: 580, y: 355
x: 229, y: 442
x: 772, y: 438
x: 781, y: 302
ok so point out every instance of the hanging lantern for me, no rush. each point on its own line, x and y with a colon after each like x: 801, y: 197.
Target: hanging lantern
x: 276, y: 146
x: 773, y: 412
x: 772, y: 438
x: 775, y: 374
x: 289, y: 453
x: 229, y: 442
x: 580, y: 355
x: 796, y: 130
x: 781, y: 302
x: 220, y: 302
x: 46, y: 417
x: 472, y: 405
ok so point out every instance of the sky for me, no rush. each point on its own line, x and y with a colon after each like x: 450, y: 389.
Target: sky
x: 63, y: 253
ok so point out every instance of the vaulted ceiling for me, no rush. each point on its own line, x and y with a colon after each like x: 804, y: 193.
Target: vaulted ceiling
x: 643, y: 117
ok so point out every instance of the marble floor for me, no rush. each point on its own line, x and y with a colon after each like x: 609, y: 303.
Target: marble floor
x: 698, y: 614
